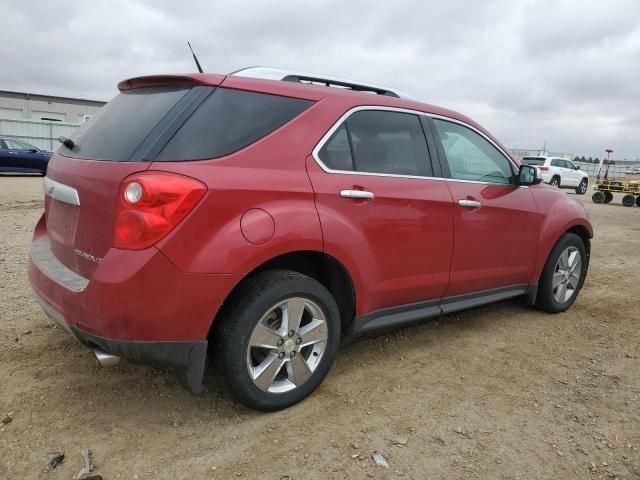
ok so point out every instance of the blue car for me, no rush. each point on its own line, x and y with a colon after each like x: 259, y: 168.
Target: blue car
x: 20, y: 157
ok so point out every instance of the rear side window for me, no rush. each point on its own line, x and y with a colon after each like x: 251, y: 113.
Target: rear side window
x: 229, y: 120
x: 557, y: 163
x: 122, y: 124
x: 336, y: 153
x: 377, y: 141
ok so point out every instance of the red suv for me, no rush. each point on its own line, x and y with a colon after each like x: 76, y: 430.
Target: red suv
x: 260, y: 219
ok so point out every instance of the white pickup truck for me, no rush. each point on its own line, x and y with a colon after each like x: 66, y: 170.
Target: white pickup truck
x: 560, y: 173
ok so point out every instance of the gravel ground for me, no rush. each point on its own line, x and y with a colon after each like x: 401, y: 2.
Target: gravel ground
x: 501, y: 391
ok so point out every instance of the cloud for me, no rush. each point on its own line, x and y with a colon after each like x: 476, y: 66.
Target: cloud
x: 562, y: 71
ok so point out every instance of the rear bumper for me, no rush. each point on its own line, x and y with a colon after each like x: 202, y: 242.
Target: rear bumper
x: 546, y: 176
x: 136, y: 305
x: 186, y: 358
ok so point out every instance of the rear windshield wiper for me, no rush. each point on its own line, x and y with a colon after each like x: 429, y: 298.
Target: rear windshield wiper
x: 67, y: 142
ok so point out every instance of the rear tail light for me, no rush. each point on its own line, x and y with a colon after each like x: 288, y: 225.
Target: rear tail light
x: 543, y: 168
x: 150, y: 205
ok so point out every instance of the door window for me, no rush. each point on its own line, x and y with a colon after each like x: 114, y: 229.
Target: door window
x: 336, y: 153
x: 377, y: 141
x: 556, y: 162
x: 471, y: 157
x: 15, y: 145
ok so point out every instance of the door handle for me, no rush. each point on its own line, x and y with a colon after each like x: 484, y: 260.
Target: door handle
x: 469, y: 203
x: 358, y: 194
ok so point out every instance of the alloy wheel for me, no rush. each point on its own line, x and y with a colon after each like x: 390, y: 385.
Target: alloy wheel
x: 566, y: 276
x: 583, y: 187
x: 287, y: 345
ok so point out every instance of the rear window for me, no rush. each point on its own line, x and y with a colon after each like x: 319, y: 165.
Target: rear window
x: 180, y: 123
x: 122, y: 124
x: 229, y: 120
x: 533, y: 161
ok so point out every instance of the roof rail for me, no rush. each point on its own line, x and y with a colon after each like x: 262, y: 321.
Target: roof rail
x: 313, y: 78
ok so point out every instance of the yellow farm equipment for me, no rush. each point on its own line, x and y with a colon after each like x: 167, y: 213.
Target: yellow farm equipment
x: 605, y: 189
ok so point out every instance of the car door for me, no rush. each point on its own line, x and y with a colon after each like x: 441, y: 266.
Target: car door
x: 23, y: 155
x: 4, y: 155
x: 383, y: 215
x: 496, y: 223
x: 10, y: 156
x: 576, y: 177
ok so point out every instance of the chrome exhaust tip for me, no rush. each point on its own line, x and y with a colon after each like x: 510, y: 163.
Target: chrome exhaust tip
x: 105, y: 359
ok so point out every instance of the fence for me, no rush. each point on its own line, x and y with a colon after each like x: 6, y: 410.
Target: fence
x: 38, y: 133
x: 615, y: 171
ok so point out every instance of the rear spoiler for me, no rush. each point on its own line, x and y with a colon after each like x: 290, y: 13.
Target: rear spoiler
x: 162, y: 80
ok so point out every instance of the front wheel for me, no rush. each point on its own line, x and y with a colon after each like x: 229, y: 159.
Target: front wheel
x: 582, y: 188
x: 563, y: 274
x: 277, y: 339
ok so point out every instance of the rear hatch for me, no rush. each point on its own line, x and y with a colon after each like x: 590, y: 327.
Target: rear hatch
x: 83, y: 177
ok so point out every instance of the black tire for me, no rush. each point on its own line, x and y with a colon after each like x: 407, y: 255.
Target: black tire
x: 555, y: 182
x: 598, y: 197
x: 638, y: 201
x: 582, y: 188
x: 628, y: 200
x: 233, y: 329
x: 608, y: 196
x: 545, y: 300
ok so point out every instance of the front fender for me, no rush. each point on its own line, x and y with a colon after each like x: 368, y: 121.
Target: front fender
x: 561, y: 214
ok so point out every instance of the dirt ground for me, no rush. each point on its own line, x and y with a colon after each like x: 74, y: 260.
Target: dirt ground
x: 501, y: 391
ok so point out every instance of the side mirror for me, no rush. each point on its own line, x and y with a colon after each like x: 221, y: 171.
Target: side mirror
x: 528, y: 175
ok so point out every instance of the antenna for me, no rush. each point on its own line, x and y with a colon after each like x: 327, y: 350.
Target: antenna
x: 195, y: 58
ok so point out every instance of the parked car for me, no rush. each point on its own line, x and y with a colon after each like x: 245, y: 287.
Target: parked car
x: 635, y: 170
x: 20, y: 157
x: 560, y: 173
x: 261, y: 219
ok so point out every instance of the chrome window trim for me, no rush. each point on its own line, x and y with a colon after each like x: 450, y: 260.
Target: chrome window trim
x: 60, y: 191
x: 315, y: 153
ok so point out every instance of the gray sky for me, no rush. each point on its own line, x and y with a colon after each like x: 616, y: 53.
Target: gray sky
x: 567, y: 72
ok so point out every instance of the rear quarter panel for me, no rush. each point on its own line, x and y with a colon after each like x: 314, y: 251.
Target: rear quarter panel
x: 269, y: 175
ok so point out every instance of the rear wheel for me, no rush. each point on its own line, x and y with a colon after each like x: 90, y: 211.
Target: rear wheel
x: 563, y: 274
x: 277, y: 339
x: 608, y: 196
x: 582, y: 188
x: 555, y: 182
x: 598, y: 197
x: 628, y: 200
x: 638, y: 201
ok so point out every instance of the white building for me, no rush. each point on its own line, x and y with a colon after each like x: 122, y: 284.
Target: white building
x: 31, y: 106
x: 41, y: 119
